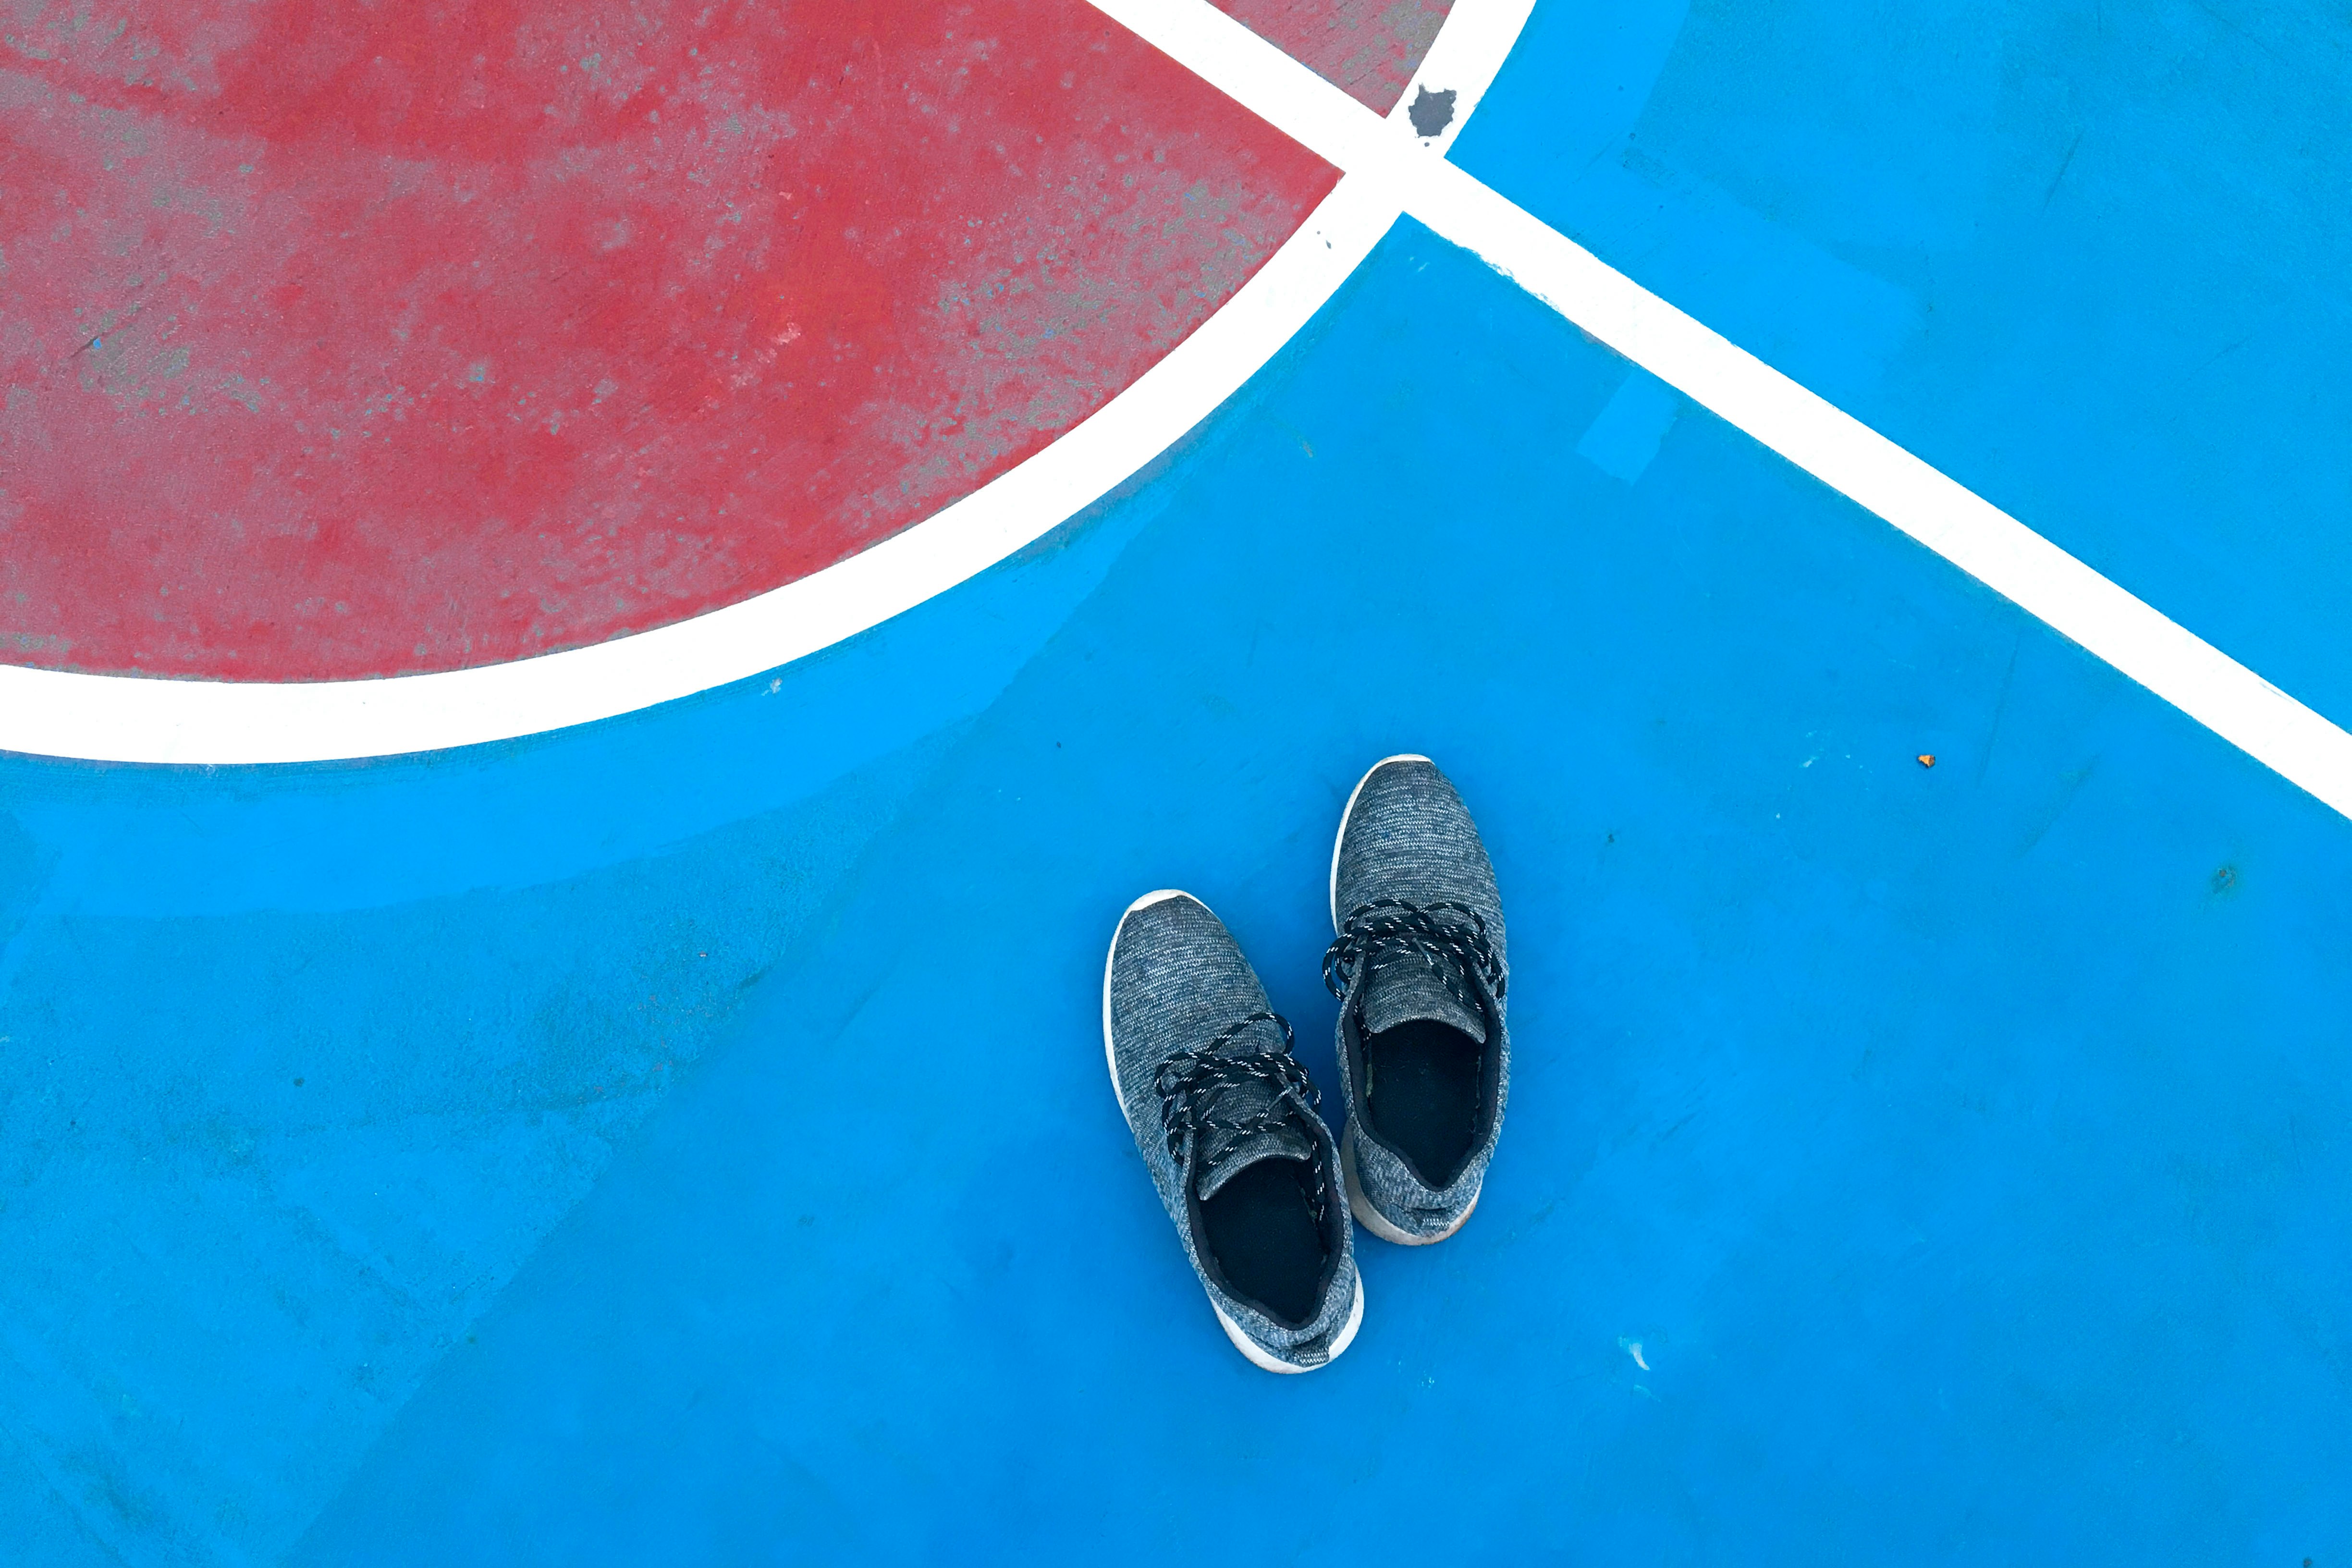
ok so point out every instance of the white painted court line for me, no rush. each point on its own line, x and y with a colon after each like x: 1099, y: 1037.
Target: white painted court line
x: 126, y: 719
x: 121, y: 719
x: 1956, y: 523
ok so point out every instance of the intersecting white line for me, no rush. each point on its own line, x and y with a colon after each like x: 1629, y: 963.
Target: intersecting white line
x: 1845, y: 453
x: 1388, y: 168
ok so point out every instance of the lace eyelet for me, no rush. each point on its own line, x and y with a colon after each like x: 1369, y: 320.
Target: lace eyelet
x: 1433, y: 931
x: 1194, y: 1084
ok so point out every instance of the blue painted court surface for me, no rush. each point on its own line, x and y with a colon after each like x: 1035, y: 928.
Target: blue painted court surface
x: 686, y: 1138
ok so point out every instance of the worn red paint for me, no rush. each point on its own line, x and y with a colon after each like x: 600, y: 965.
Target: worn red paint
x: 343, y: 340
x: 1368, y: 48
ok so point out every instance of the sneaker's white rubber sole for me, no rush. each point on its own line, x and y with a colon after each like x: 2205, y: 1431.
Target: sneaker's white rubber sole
x: 1371, y: 1219
x: 1242, y: 1341
x: 1258, y: 1356
x: 1341, y: 837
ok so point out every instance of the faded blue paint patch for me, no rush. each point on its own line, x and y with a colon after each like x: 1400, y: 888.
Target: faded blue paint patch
x: 1805, y: 311
x: 1623, y: 438
x: 1592, y: 67
x: 258, y: 1171
x: 1565, y: 131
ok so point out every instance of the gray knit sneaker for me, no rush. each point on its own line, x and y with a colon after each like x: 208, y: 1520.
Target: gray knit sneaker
x: 1419, y: 970
x: 1225, y: 1119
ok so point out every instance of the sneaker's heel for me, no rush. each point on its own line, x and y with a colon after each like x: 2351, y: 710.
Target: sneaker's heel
x: 1371, y: 1219
x: 1258, y: 1354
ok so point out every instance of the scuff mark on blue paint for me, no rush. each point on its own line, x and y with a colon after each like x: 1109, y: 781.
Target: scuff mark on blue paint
x: 1624, y: 436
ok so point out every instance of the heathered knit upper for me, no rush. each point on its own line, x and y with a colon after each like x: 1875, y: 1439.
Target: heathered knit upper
x: 1408, y: 838
x: 1178, y: 981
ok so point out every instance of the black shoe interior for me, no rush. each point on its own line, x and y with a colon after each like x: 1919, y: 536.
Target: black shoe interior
x: 1421, y: 1095
x: 1260, y: 1229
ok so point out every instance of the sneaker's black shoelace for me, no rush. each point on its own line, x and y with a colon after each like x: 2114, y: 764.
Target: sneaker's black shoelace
x: 1450, y: 938
x: 1195, y: 1085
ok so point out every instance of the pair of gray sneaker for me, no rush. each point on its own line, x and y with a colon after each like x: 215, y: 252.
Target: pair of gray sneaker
x: 1225, y: 1117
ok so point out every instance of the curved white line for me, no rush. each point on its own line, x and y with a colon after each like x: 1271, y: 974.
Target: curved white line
x: 131, y: 719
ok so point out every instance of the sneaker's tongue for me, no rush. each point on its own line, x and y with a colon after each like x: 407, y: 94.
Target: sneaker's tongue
x: 1410, y: 988
x: 1286, y: 1142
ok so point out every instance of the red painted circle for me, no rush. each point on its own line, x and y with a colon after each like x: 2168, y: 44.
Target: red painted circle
x: 344, y: 339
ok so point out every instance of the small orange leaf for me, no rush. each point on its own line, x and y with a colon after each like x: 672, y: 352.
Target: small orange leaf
x: 1926, y: 759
